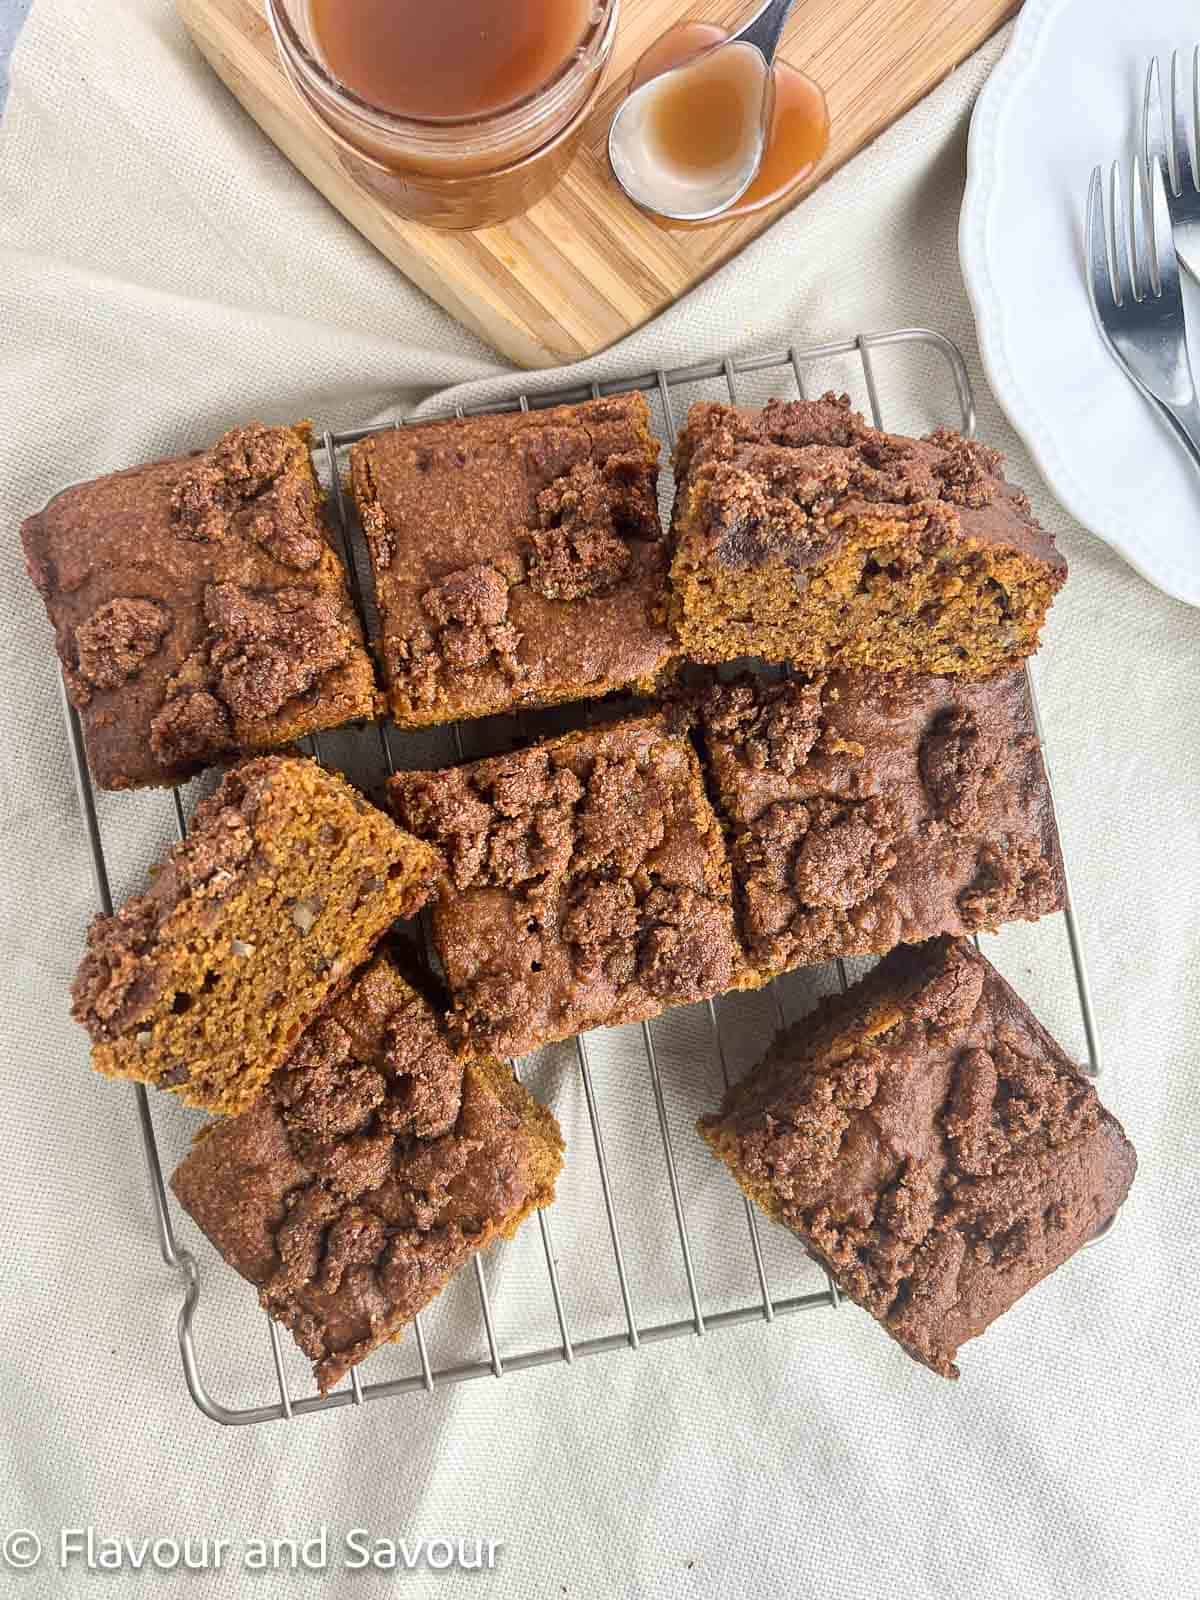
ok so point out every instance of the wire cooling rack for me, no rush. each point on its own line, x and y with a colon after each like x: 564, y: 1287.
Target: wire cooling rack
x: 796, y: 370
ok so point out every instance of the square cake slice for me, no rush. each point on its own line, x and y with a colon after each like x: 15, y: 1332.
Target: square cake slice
x: 199, y: 609
x: 372, y: 1167
x: 929, y: 1143
x: 865, y: 810
x: 800, y: 534
x: 284, y: 885
x: 586, y: 883
x: 519, y: 559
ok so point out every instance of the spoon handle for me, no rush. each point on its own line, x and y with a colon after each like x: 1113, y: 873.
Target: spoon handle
x: 764, y: 29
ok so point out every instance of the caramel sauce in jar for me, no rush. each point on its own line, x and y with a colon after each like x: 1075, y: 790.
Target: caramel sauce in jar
x: 700, y: 124
x: 459, y: 58
x: 457, y: 113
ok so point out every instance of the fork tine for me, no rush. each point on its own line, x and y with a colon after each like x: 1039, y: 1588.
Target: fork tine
x: 1153, y: 143
x: 1100, y: 278
x: 1123, y: 258
x: 1196, y: 107
x: 1166, y: 264
x: 1183, y: 166
x: 1143, y: 249
x: 1103, y: 273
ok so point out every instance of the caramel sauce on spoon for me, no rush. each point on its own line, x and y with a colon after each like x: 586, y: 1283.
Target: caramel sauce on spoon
x: 699, y: 122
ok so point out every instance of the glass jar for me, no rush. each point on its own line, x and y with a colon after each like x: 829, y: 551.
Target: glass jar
x: 465, y: 172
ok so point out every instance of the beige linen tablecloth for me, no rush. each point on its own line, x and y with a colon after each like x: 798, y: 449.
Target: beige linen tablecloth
x: 163, y: 272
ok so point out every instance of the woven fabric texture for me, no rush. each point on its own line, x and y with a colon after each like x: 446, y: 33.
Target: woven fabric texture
x: 163, y: 273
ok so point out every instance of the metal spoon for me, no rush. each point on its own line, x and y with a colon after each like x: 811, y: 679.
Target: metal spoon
x: 651, y: 182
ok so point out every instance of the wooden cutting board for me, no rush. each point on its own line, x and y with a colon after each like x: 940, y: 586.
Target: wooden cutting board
x: 584, y: 267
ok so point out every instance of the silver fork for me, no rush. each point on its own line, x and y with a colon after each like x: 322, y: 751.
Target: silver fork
x: 1177, y: 153
x: 1133, y: 284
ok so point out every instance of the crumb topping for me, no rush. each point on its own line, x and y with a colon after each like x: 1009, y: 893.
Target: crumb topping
x: 116, y: 980
x: 246, y: 475
x: 116, y: 640
x: 192, y: 726
x: 266, y: 648
x: 967, y: 471
x: 956, y: 759
x: 468, y: 629
x: 575, y: 548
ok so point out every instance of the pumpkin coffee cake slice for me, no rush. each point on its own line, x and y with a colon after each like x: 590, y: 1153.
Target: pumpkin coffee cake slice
x: 373, y: 1167
x: 930, y: 1144
x: 801, y: 534
x: 869, y: 809
x: 518, y: 558
x: 585, y: 884
x: 199, y: 608
x: 284, y: 885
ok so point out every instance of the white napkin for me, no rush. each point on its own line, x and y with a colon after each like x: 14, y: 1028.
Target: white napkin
x: 164, y: 272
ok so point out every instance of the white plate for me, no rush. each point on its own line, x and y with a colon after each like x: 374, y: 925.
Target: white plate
x: 1066, y: 96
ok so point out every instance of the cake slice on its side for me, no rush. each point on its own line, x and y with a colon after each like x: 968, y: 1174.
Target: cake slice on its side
x: 801, y: 534
x: 929, y: 1143
x: 284, y: 885
x: 374, y: 1165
